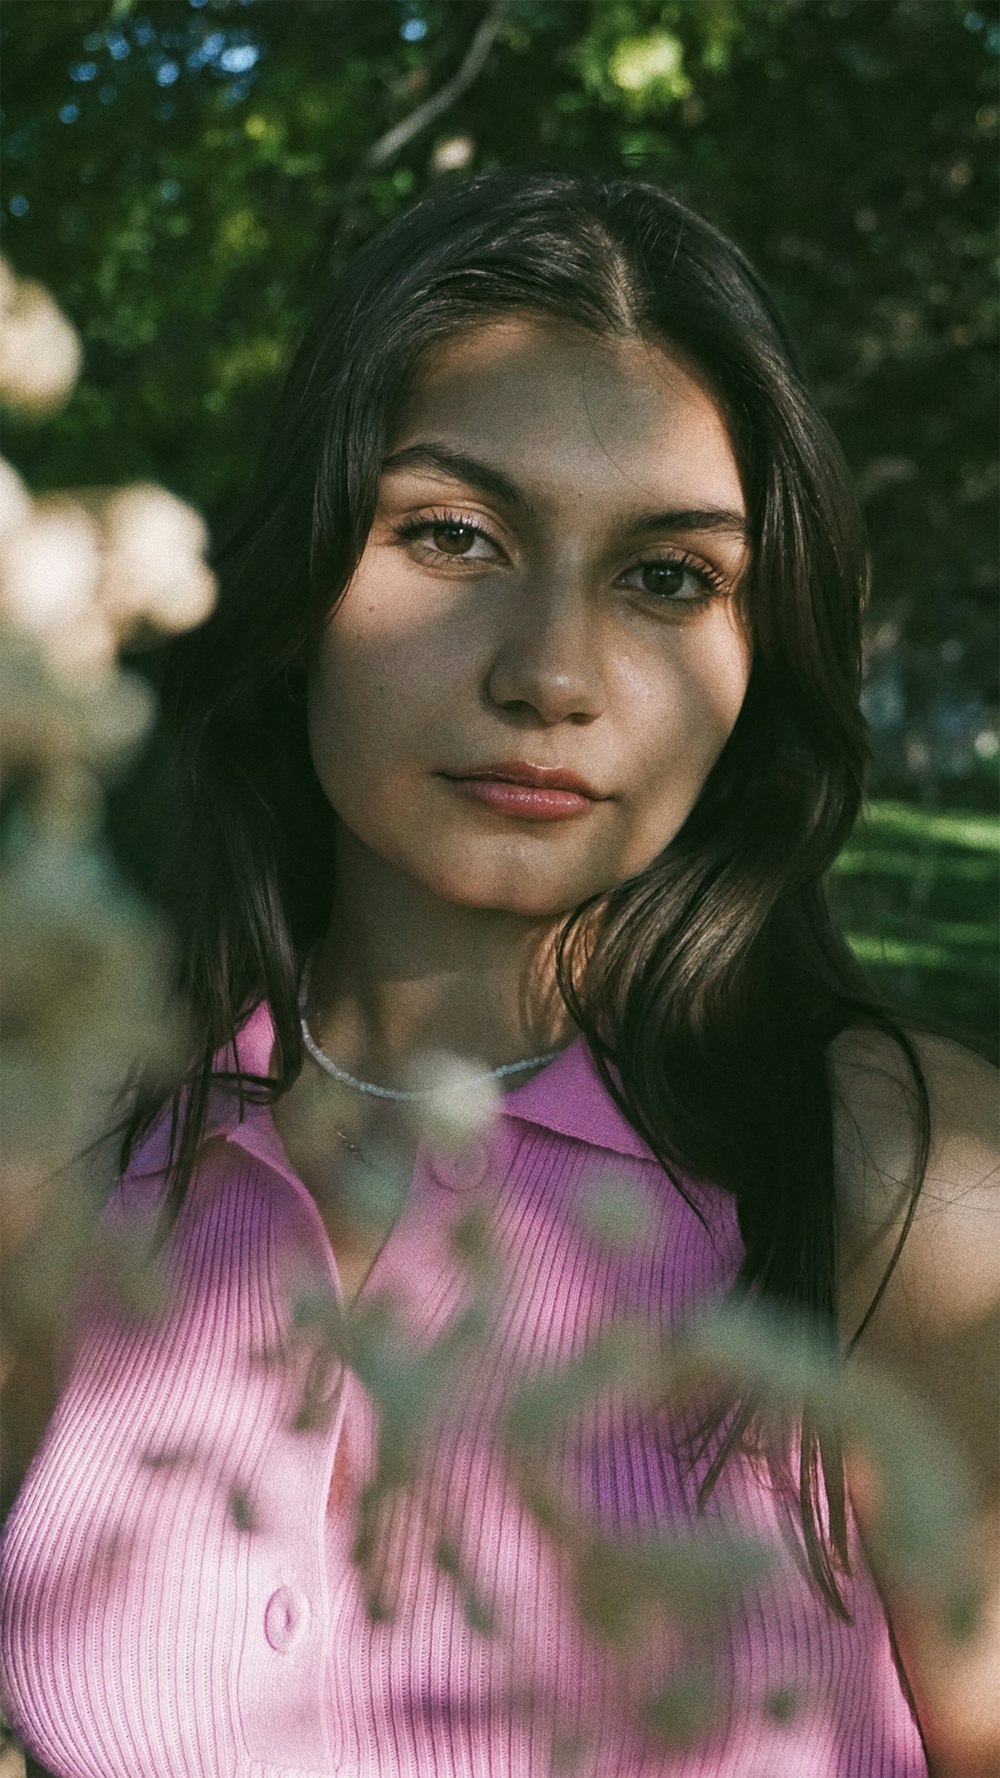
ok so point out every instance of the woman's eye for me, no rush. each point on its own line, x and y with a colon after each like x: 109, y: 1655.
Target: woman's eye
x: 681, y: 583
x: 456, y: 538
x: 673, y: 580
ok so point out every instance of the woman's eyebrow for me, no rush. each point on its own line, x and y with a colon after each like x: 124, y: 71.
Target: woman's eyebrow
x: 445, y: 458
x: 489, y: 480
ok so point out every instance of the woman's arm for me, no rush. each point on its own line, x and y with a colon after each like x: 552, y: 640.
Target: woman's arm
x: 937, y: 1329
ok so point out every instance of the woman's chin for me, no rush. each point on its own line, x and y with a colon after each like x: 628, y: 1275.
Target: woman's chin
x: 511, y: 894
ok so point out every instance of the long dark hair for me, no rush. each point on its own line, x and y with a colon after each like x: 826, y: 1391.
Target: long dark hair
x: 718, y: 978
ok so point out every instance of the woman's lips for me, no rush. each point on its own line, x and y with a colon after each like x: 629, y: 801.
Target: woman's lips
x: 531, y: 793
x: 525, y: 800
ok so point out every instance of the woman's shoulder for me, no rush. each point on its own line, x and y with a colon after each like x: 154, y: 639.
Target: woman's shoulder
x: 936, y: 1325
x: 877, y: 1126
x: 937, y: 1317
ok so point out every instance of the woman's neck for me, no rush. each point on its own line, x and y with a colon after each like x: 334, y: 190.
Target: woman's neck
x: 400, y: 972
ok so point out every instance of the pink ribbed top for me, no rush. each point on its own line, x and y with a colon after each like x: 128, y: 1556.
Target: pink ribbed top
x: 179, y: 1598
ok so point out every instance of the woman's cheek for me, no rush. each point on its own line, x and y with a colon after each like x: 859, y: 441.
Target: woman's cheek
x: 358, y: 726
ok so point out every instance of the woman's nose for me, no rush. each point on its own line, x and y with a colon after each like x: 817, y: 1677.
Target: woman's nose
x: 546, y: 665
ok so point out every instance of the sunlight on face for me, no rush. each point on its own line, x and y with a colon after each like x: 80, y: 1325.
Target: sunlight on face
x: 545, y: 594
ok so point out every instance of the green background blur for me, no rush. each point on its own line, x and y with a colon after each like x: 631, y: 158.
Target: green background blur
x: 180, y: 174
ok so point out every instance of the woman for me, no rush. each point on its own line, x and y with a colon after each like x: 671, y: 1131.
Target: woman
x: 526, y: 729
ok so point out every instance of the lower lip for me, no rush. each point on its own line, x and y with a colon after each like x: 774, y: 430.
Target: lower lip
x: 528, y: 801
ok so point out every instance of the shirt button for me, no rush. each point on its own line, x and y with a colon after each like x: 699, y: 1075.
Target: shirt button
x: 462, y: 1172
x: 285, y: 1618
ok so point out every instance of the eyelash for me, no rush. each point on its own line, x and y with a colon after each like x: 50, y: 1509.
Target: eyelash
x: 715, y: 584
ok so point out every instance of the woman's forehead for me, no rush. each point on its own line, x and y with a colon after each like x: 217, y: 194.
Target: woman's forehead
x: 532, y: 354
x: 571, y: 410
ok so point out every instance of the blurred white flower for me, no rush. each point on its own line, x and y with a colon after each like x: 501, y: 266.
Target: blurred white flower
x: 15, y: 501
x: 153, y: 570
x: 83, y: 996
x: 48, y: 721
x: 83, y: 573
x: 50, y: 566
x: 40, y: 353
x: 461, y: 1102
x: 452, y: 154
x: 615, y: 1213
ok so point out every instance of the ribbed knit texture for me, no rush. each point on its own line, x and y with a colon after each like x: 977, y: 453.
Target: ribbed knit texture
x: 179, y: 1598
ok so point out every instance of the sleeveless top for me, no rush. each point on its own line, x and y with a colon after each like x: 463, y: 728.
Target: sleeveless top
x: 180, y: 1595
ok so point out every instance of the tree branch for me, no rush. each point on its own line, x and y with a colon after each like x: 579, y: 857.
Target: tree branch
x: 389, y: 145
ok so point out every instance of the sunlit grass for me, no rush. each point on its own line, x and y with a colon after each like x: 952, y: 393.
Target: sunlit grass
x: 977, y: 832
x: 917, y: 891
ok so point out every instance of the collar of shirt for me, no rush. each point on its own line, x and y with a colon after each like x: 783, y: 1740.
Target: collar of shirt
x: 567, y: 1097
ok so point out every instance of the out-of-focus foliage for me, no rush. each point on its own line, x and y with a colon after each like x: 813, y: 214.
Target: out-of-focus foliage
x: 625, y: 1583
x: 84, y: 970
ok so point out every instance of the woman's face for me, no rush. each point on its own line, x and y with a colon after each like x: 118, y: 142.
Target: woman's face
x: 544, y: 596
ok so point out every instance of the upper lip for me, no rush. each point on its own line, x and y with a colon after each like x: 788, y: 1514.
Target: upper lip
x: 518, y: 771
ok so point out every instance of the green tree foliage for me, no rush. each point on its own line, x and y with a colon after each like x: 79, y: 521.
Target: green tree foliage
x: 200, y: 177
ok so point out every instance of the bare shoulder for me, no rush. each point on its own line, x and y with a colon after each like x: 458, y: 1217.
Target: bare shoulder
x: 877, y: 1138
x: 876, y: 1122
x: 937, y: 1319
x: 936, y: 1327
